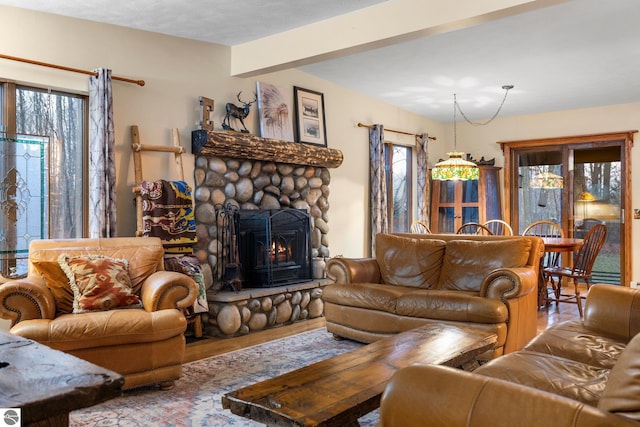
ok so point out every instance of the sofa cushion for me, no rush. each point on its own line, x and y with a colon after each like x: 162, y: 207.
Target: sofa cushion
x: 564, y: 377
x: 467, y: 262
x: 375, y: 296
x: 572, y: 340
x: 622, y: 393
x: 99, y: 283
x: 451, y: 305
x: 407, y: 261
x: 103, y: 329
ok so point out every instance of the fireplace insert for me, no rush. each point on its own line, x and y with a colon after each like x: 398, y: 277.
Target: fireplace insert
x: 274, y: 247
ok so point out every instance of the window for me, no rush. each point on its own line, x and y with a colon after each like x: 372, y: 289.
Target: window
x: 42, y: 170
x: 398, y: 161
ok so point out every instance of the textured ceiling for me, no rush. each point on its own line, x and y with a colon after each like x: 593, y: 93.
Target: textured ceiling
x: 576, y: 54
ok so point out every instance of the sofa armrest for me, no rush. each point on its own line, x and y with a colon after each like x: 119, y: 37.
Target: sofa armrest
x: 509, y: 283
x: 353, y: 270
x: 614, y: 310
x: 26, y: 299
x: 168, y: 289
x: 434, y: 396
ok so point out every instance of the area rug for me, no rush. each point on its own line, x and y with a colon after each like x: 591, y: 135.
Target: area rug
x: 196, y: 398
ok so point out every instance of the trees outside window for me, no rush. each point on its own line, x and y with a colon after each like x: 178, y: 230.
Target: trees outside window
x: 42, y: 170
x: 399, y: 172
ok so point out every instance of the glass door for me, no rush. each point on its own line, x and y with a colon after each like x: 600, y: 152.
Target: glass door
x: 597, y: 200
x: 576, y: 182
x: 540, y: 187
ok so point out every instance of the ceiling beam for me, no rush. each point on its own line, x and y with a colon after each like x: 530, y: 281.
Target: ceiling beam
x: 373, y: 27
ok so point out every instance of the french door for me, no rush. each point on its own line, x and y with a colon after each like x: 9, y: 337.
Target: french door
x: 576, y: 182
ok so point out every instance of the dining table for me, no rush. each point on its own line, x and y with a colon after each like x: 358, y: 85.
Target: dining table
x: 554, y: 244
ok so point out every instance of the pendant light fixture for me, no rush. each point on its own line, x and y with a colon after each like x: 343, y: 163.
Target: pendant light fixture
x: 455, y: 168
x: 547, y: 181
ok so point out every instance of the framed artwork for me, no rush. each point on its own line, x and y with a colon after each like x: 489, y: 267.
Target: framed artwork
x: 275, y: 112
x: 310, y: 122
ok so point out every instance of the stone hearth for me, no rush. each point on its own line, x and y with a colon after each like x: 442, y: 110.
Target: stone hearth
x: 239, y: 313
x: 258, y: 173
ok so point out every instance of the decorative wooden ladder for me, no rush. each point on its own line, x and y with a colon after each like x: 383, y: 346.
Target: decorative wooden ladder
x: 137, y: 147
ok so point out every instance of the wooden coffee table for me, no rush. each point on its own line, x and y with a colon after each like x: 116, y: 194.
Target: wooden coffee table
x: 339, y: 390
x: 47, y: 384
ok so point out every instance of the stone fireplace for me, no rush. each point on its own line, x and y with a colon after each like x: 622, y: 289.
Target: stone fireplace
x: 285, y: 181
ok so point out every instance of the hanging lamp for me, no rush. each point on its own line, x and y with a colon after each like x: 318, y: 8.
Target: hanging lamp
x: 547, y: 181
x: 455, y: 168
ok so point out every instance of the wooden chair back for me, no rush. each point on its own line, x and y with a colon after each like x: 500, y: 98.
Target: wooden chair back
x: 545, y: 228
x: 499, y: 227
x: 420, y: 227
x: 474, y: 228
x: 587, y: 254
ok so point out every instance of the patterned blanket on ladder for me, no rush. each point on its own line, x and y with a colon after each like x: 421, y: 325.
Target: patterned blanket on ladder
x: 167, y: 213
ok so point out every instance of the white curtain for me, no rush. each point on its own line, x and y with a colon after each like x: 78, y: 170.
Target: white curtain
x: 378, y: 185
x: 422, y: 159
x: 102, y: 169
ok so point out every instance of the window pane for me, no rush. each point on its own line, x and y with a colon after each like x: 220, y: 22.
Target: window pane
x: 2, y: 125
x: 400, y: 178
x: 540, y: 187
x: 597, y: 195
x: 60, y: 116
x: 23, y: 187
x: 470, y: 191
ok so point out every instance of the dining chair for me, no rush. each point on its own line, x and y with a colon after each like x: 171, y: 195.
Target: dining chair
x: 586, y: 225
x: 474, y: 228
x: 420, y: 227
x: 499, y: 227
x: 549, y: 229
x: 581, y: 269
x: 545, y: 228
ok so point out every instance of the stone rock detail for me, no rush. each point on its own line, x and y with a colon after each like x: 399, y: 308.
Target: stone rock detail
x: 251, y: 184
x: 245, y: 315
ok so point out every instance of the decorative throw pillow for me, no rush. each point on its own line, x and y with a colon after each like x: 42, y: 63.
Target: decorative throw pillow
x: 409, y: 261
x: 190, y: 266
x: 56, y: 280
x: 468, y: 262
x: 99, y: 283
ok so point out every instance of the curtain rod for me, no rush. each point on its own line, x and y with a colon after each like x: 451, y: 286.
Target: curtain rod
x: 75, y: 70
x: 361, y: 125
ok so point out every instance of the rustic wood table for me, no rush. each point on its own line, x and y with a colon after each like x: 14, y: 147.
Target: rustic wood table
x: 47, y: 384
x: 339, y: 390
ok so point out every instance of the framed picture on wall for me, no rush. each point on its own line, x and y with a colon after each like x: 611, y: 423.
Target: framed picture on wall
x: 310, y: 121
x: 275, y: 112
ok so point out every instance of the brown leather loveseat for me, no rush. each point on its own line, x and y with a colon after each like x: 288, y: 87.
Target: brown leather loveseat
x: 487, y: 282
x: 121, y: 311
x: 579, y: 373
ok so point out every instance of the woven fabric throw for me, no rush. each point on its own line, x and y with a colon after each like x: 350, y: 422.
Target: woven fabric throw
x: 167, y: 213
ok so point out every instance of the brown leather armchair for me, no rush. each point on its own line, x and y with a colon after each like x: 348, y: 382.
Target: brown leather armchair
x: 143, y: 341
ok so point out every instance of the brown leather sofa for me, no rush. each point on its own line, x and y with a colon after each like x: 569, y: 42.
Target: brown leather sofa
x: 144, y: 344
x: 488, y: 282
x: 576, y: 373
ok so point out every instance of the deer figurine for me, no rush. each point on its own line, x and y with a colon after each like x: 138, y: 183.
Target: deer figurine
x: 238, y: 113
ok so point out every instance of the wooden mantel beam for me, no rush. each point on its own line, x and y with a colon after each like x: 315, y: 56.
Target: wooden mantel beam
x: 246, y: 146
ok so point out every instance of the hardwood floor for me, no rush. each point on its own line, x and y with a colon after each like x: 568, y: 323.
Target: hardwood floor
x: 207, y: 347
